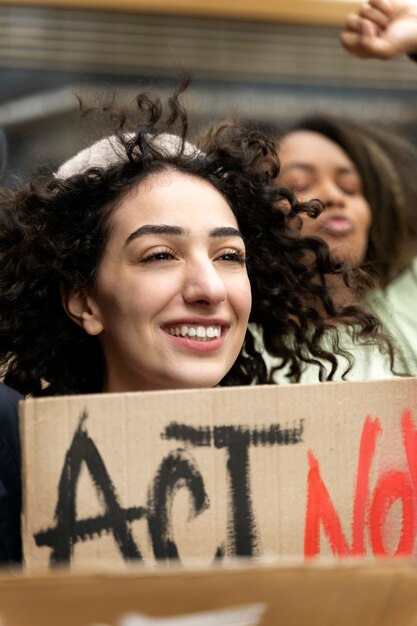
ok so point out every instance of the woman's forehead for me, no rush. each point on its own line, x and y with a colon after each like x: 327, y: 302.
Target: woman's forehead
x: 314, y: 147
x: 176, y: 198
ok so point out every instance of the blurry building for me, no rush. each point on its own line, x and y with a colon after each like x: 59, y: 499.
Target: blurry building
x: 271, y: 69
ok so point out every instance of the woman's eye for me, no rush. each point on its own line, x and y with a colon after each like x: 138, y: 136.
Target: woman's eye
x: 349, y: 191
x: 300, y: 187
x: 232, y: 256
x: 158, y: 255
x: 298, y: 183
x: 350, y: 184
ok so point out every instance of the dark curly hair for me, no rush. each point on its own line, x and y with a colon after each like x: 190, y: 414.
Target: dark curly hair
x: 53, y: 231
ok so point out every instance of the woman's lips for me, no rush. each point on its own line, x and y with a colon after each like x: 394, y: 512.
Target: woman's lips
x: 190, y: 336
x: 197, y: 345
x: 337, y: 225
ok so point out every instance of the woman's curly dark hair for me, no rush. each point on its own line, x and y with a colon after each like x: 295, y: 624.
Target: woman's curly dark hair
x: 53, y: 232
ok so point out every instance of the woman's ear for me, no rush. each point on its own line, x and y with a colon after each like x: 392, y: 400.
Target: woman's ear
x: 81, y: 308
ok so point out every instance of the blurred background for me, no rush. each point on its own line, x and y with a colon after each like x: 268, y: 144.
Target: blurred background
x: 265, y: 59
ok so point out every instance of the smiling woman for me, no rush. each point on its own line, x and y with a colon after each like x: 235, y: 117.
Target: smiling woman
x: 127, y: 271
x: 172, y: 296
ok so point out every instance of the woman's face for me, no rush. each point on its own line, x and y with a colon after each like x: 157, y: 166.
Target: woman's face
x: 172, y: 296
x: 316, y: 167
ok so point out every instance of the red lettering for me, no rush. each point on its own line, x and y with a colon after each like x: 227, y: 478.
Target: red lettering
x: 410, y: 445
x: 320, y: 509
x: 370, y: 433
x: 393, y: 486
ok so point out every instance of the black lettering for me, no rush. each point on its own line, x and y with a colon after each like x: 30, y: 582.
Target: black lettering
x: 177, y: 470
x: 68, y: 530
x: 242, y: 532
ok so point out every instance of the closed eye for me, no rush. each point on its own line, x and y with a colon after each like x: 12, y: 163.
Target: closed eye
x: 350, y: 183
x: 350, y: 190
x: 298, y: 180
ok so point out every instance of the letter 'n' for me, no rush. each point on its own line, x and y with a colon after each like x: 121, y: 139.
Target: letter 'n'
x: 320, y: 508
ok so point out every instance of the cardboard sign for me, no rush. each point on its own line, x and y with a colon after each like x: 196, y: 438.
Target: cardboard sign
x: 377, y: 594
x: 300, y: 471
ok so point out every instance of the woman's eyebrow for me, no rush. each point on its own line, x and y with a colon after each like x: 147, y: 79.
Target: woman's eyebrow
x: 347, y: 169
x: 225, y: 231
x: 154, y: 229
x: 300, y: 165
x: 311, y: 169
x: 165, y: 229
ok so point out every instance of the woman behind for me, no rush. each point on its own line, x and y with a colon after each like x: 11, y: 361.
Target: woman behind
x: 127, y: 270
x: 366, y: 179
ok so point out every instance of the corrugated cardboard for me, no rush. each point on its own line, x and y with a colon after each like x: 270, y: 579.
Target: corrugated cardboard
x: 378, y: 594
x: 300, y: 471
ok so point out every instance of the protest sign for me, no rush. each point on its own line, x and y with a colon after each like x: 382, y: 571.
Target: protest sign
x: 199, y: 475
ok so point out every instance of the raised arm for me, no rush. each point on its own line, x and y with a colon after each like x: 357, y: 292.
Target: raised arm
x: 382, y: 29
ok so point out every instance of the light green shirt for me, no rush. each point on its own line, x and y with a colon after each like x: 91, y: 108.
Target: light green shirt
x: 396, y: 307
x: 397, y: 310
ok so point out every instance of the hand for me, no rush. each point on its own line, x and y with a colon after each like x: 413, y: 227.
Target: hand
x: 382, y: 29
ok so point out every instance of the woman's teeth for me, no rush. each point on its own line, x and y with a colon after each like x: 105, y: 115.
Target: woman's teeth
x: 199, y: 333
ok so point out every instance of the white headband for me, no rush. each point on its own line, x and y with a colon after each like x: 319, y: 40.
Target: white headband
x: 110, y: 151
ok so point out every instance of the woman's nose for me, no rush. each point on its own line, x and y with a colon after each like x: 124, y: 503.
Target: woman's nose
x: 202, y: 283
x: 330, y: 194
